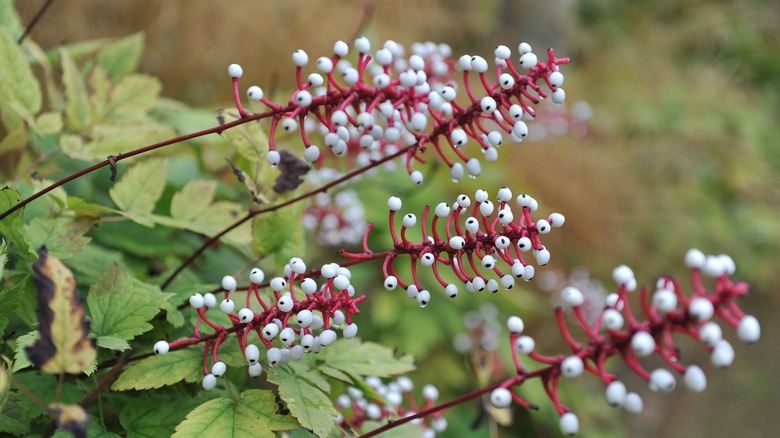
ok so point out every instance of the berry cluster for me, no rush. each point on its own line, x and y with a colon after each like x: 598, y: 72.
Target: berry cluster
x: 315, y: 310
x: 387, y: 103
x: 620, y: 331
x: 397, y: 401
x: 477, y: 239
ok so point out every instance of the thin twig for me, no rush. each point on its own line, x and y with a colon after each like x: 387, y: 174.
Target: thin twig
x: 34, y: 21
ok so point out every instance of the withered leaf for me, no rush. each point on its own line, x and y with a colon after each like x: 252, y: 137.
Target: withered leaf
x: 72, y: 418
x: 63, y: 346
x: 292, y: 169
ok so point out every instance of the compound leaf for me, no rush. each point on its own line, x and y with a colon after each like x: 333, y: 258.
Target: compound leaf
x: 138, y: 190
x: 301, y: 388
x: 63, y: 346
x: 165, y: 369
x: 252, y: 414
x: 121, y: 306
x: 355, y: 357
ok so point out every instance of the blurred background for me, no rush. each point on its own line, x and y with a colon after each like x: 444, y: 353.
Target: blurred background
x: 672, y: 144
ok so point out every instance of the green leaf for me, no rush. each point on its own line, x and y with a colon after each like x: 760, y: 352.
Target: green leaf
x: 17, y: 414
x: 355, y: 357
x: 11, y: 298
x: 165, y: 369
x: 112, y: 343
x: 78, y: 114
x: 62, y: 236
x: 116, y: 138
x: 301, y: 388
x: 17, y: 82
x: 12, y: 226
x: 253, y: 414
x: 193, y: 200
x: 138, y: 190
x: 121, y: 306
x: 121, y: 57
x: 271, y: 231
x: 155, y: 416
x: 20, y: 358
x: 133, y: 97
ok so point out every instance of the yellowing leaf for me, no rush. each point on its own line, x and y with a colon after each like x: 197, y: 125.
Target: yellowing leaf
x: 253, y: 414
x: 133, y: 97
x: 5, y: 385
x: 78, y: 114
x: 72, y: 418
x: 138, y: 190
x: 355, y: 357
x: 193, y: 200
x: 17, y: 82
x: 63, y: 346
x: 49, y: 123
x: 300, y: 387
x: 121, y: 306
x: 165, y: 369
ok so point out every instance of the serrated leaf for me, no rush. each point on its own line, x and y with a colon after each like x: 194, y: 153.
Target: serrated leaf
x: 16, y: 415
x: 63, y: 346
x: 78, y: 114
x: 253, y: 414
x: 12, y: 226
x: 71, y: 145
x: 17, y: 82
x: 63, y: 237
x: 138, y: 190
x: 112, y: 343
x: 11, y: 298
x: 121, y: 306
x: 20, y: 358
x: 133, y: 97
x: 359, y: 358
x: 100, y: 86
x: 193, y: 200
x: 165, y: 369
x: 299, y: 388
x: 121, y: 57
x: 271, y: 231
x: 173, y: 315
x: 116, y: 138
x: 155, y: 416
x: 72, y: 418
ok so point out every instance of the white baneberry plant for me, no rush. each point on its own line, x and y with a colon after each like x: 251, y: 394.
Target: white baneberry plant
x: 277, y: 346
